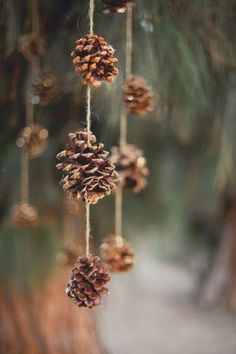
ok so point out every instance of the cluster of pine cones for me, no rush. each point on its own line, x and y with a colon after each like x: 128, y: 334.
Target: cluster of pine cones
x: 25, y: 216
x: 118, y: 6
x: 33, y: 140
x: 88, y: 282
x: 94, y: 60
x: 131, y: 166
x: 117, y: 254
x: 88, y: 172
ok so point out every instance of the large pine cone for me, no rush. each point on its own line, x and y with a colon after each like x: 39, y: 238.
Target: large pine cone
x: 117, y: 254
x: 44, y: 88
x: 33, y: 139
x: 131, y: 166
x: 138, y: 96
x: 118, y: 6
x: 94, y: 60
x: 32, y: 46
x: 88, y: 282
x: 88, y: 172
x: 25, y: 216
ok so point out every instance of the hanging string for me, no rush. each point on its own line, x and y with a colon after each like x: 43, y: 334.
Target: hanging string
x: 88, y: 122
x: 129, y: 44
x: 91, y: 15
x: 123, y: 119
x: 118, y: 214
x: 35, y: 16
x: 128, y: 71
x: 24, y: 177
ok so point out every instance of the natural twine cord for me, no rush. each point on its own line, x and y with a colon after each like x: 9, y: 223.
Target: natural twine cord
x: 123, y: 119
x: 24, y: 177
x: 35, y: 16
x: 88, y: 122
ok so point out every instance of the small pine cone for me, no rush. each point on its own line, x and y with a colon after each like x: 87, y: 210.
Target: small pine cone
x: 138, y: 96
x: 68, y: 255
x: 88, y: 172
x: 43, y: 89
x: 25, y: 216
x: 118, y: 6
x: 88, y: 282
x: 33, y: 139
x: 94, y: 60
x: 131, y: 166
x: 117, y: 254
x: 32, y: 46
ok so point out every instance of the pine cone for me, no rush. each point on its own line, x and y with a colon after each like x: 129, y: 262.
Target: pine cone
x: 94, y: 60
x: 68, y: 255
x: 138, y: 97
x: 88, y: 282
x: 32, y: 46
x: 117, y: 254
x: 118, y: 6
x: 131, y: 165
x: 43, y: 89
x: 33, y: 139
x: 88, y: 172
x: 25, y: 216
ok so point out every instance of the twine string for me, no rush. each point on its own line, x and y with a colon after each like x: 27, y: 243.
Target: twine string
x: 88, y: 122
x: 88, y: 229
x: 91, y: 16
x: 123, y: 119
x: 35, y: 16
x: 24, y: 177
x: 129, y: 42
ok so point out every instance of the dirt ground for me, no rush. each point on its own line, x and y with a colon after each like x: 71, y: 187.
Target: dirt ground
x: 151, y: 311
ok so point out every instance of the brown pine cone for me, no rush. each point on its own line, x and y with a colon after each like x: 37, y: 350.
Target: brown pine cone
x: 25, y: 216
x: 138, y: 96
x: 68, y: 255
x: 44, y: 88
x: 32, y: 46
x: 88, y: 282
x: 117, y: 254
x: 94, y: 60
x: 33, y: 139
x: 88, y: 172
x: 131, y: 166
x: 118, y: 6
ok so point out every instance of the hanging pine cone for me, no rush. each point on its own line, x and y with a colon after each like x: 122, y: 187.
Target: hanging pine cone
x: 88, y: 282
x: 118, y: 6
x: 25, y: 216
x: 43, y: 89
x: 68, y: 255
x: 117, y: 254
x: 32, y: 46
x: 88, y: 172
x: 94, y: 60
x: 138, y: 96
x: 131, y: 166
x: 33, y: 139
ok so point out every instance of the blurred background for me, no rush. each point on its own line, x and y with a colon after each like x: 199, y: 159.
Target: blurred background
x: 181, y: 296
